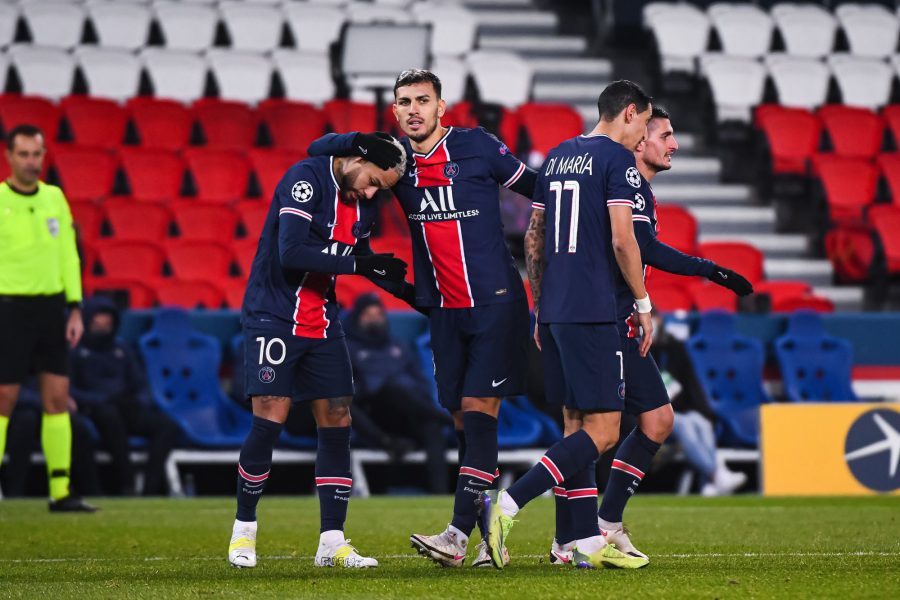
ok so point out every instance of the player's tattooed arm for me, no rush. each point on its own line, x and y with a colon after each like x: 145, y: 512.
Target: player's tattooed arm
x: 534, y: 254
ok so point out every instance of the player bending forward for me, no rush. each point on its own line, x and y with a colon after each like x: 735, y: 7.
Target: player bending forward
x: 318, y: 227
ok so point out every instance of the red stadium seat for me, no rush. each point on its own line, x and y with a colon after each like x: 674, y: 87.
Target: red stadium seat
x: 95, y: 121
x: 292, y: 125
x: 508, y: 131
x: 891, y: 115
x: 459, y: 115
x: 743, y: 258
x: 270, y: 165
x: 781, y: 291
x: 16, y: 110
x: 348, y: 288
x: 253, y: 215
x: 549, y: 124
x: 854, y: 132
x: 657, y: 278
x: 709, y: 296
x: 206, y: 222
x: 140, y: 295
x: 677, y: 227
x: 133, y: 221
x: 234, y: 292
x: 886, y: 221
x: 807, y: 302
x: 890, y: 170
x: 201, y: 261
x: 190, y: 294
x: 851, y: 250
x: 130, y: 260
x: 669, y: 298
x: 220, y: 175
x: 226, y: 125
x: 344, y: 116
x: 161, y: 124
x: 244, y: 252
x: 153, y: 175
x: 850, y: 185
x: 793, y: 136
x: 88, y: 218
x: 85, y: 174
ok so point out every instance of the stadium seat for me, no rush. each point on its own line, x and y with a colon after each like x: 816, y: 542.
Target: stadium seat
x: 779, y: 291
x: 134, y: 260
x: 737, y: 85
x: 547, y: 125
x: 242, y: 76
x: 226, y: 125
x: 189, y: 294
x: 808, y: 30
x: 88, y: 219
x: 176, y: 75
x: 234, y: 293
x: 800, y: 82
x: 134, y: 221
x: 4, y: 70
x: 453, y: 28
x: 206, y: 222
x: 244, y: 252
x: 199, y: 261
x: 85, y: 173
x: 16, y: 110
x: 138, y: 294
x: 815, y: 366
x: 849, y: 185
x: 187, y: 26
x: 367, y: 12
x: 891, y: 114
x: 890, y: 171
x: 681, y: 31
x: 744, y: 30
x: 252, y: 26
x: 502, y: 78
x: 886, y: 221
x: 315, y: 27
x: 744, y: 258
x: 792, y: 135
x: 95, y: 122
x: 120, y: 24
x: 871, y: 30
x: 709, y: 296
x: 454, y: 74
x: 110, y: 73
x: 306, y: 75
x: 459, y: 115
x: 153, y: 175
x: 9, y: 16
x: 854, y: 132
x: 864, y: 82
x: 269, y: 166
x: 47, y: 72
x: 160, y: 124
x: 348, y: 288
x: 54, y: 24
x: 344, y: 116
x: 808, y: 302
x: 730, y: 368
x: 851, y: 249
x: 292, y: 126
x: 677, y: 227
x: 219, y: 175
x: 670, y: 298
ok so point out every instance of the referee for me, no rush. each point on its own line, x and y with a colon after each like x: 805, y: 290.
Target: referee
x: 40, y: 281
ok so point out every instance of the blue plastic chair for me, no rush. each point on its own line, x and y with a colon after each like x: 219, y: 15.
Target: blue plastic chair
x: 550, y: 430
x: 815, y: 366
x: 730, y: 368
x: 183, y: 371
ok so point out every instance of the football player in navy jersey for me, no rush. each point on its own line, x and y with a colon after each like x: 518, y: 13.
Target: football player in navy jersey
x: 465, y: 279
x: 317, y: 228
x: 576, y: 256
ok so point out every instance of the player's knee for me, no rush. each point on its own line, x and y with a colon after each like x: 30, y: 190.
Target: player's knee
x: 658, y: 424
x: 337, y: 414
x: 489, y: 406
x: 604, y: 438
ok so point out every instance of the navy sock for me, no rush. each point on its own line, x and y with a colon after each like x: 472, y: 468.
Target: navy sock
x: 628, y: 468
x: 476, y: 471
x: 460, y: 446
x: 563, y: 533
x: 581, y: 491
x: 254, y: 465
x: 333, y: 478
x: 564, y: 459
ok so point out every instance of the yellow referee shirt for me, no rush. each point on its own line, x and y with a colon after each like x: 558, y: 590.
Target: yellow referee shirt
x: 38, y: 255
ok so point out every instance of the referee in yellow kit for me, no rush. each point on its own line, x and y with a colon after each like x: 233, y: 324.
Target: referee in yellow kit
x: 40, y: 282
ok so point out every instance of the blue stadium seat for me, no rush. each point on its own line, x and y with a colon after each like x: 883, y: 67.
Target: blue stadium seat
x: 550, y: 430
x: 815, y: 366
x: 183, y: 371
x: 730, y: 368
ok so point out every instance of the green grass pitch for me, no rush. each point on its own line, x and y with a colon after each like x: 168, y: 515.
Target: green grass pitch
x: 743, y: 547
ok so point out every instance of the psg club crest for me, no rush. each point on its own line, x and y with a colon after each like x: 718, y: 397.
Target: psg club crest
x: 302, y: 191
x: 622, y: 391
x: 503, y: 149
x: 633, y: 177
x: 451, y: 170
x: 357, y: 229
x: 639, y: 202
x: 267, y: 374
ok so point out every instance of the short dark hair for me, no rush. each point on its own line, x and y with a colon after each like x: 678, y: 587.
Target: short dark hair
x: 659, y: 112
x: 23, y: 130
x: 411, y: 76
x: 620, y: 94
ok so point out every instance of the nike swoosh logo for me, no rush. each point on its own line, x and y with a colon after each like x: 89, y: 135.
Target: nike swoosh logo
x: 342, y: 491
x: 363, y: 150
x: 498, y: 383
x: 382, y: 273
x: 723, y: 275
x: 478, y: 483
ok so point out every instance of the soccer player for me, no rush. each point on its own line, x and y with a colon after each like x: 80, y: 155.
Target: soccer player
x: 466, y: 280
x: 318, y: 227
x: 586, y: 188
x: 645, y: 392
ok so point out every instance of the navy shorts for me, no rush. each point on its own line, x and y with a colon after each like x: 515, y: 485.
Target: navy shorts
x: 479, y: 352
x: 583, y: 366
x: 644, y: 387
x: 296, y: 367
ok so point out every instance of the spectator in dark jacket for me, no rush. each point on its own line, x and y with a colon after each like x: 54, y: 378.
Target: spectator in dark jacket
x: 109, y: 387
x: 392, y: 399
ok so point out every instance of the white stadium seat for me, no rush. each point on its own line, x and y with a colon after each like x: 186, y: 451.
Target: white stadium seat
x: 4, y: 69
x: 48, y: 72
x: 737, y: 85
x: 314, y: 26
x: 366, y: 12
x: 306, y: 75
x: 242, y: 76
x: 453, y: 72
x: 175, y: 74
x: 800, y: 82
x: 744, y: 29
x: 56, y: 24
x: 187, y: 26
x: 121, y: 25
x: 895, y: 61
x: 452, y: 27
x: 682, y: 35
x: 864, y: 82
x: 9, y: 15
x: 110, y: 73
x: 501, y: 77
x: 255, y: 27
x: 871, y: 31
x: 807, y: 30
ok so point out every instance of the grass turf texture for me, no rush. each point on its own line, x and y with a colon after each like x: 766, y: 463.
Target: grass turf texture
x: 699, y: 548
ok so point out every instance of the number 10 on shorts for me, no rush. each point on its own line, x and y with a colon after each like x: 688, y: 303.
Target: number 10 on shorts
x: 266, y: 350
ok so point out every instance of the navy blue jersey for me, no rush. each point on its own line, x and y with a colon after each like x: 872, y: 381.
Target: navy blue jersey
x: 579, y: 180
x: 308, y: 238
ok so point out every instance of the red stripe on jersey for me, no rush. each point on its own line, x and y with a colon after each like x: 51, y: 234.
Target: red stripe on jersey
x: 624, y: 466
x: 443, y: 240
x: 429, y: 168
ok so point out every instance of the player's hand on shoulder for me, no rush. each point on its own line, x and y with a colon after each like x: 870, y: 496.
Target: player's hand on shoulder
x: 381, y: 266
x: 732, y: 280
x: 378, y: 148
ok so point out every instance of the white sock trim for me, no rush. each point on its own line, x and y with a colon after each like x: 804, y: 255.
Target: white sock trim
x: 508, y: 505
x: 331, y: 538
x: 245, y: 524
x: 462, y: 540
x: 608, y: 525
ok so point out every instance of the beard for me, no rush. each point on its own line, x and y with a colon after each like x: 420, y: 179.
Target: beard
x: 424, y: 134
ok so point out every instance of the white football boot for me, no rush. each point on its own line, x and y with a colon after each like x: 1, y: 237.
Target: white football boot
x: 242, y: 549
x: 561, y: 554
x: 445, y: 548
x: 619, y: 539
x: 342, y: 555
x: 484, y: 556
